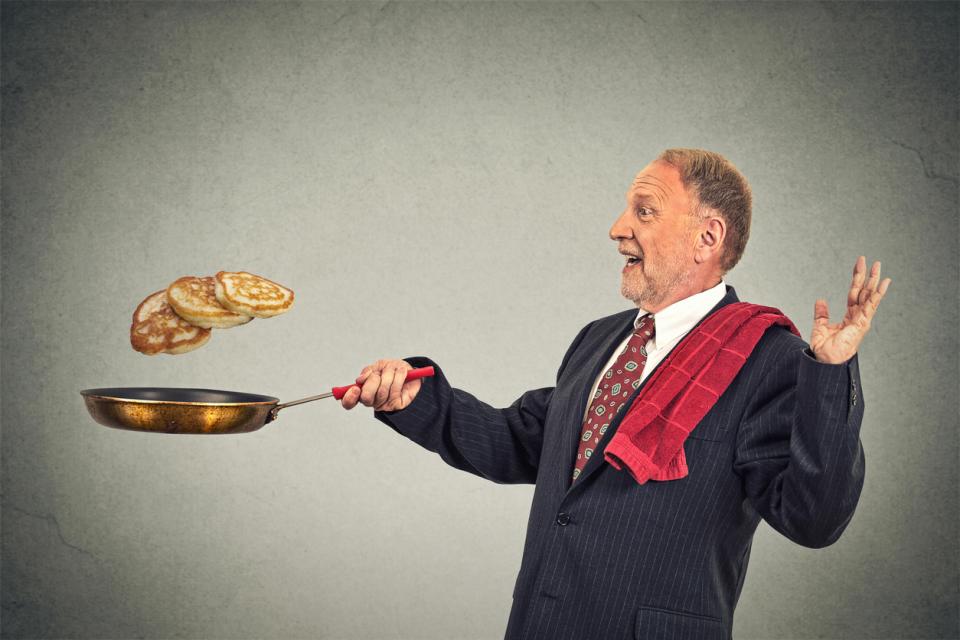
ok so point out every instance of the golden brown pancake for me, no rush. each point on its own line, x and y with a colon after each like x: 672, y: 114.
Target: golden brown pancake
x: 156, y: 328
x: 251, y: 295
x: 194, y: 300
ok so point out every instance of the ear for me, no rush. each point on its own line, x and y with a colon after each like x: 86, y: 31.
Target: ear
x: 710, y: 235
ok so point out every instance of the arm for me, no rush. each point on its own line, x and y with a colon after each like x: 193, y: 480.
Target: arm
x: 502, y: 445
x: 798, y: 449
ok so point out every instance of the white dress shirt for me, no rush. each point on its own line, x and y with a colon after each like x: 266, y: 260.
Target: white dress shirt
x: 671, y: 324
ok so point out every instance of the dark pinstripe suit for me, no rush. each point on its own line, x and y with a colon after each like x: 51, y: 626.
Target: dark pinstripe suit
x: 609, y: 558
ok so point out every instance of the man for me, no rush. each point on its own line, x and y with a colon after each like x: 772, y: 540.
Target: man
x: 610, y: 555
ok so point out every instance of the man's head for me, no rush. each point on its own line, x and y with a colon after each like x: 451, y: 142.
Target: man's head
x: 687, y: 219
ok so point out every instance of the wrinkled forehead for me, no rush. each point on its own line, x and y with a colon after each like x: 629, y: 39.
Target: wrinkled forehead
x: 657, y: 181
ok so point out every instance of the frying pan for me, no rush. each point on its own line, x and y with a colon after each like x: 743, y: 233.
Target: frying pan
x: 177, y: 410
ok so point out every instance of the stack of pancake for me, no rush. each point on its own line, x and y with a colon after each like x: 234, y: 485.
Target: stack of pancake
x: 180, y: 318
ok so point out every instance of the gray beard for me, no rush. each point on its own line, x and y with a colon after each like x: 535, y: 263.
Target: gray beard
x: 653, y: 293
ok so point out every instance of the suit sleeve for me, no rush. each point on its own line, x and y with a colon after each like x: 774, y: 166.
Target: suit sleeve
x: 501, y: 445
x: 798, y: 448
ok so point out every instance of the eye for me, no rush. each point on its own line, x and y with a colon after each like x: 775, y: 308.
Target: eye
x: 643, y: 211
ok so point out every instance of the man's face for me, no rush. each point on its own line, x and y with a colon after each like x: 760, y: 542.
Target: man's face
x: 657, y: 228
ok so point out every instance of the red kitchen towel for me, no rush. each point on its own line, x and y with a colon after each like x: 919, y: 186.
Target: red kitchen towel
x: 649, y: 441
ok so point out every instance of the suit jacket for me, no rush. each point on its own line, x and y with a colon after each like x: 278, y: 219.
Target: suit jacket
x: 608, y: 558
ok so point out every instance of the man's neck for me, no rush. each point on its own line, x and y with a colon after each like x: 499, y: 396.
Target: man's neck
x: 681, y: 294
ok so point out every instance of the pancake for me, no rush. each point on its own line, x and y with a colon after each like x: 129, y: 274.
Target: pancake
x: 252, y: 295
x: 194, y: 300
x: 156, y: 328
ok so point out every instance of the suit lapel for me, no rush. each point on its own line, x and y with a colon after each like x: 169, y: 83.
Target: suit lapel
x: 596, y: 460
x: 574, y: 428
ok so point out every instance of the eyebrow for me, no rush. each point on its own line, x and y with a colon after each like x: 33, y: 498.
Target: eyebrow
x: 641, y: 197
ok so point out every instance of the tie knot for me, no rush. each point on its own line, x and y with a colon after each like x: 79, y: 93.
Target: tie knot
x: 646, y: 327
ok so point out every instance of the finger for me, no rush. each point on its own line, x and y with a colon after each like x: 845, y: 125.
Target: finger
x: 394, y: 399
x: 383, y: 391
x: 350, y: 398
x: 364, y: 373
x: 859, y: 275
x: 370, y: 386
x: 873, y: 302
x: 871, y: 283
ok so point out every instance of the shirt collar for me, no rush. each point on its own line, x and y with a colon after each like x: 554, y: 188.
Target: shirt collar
x: 678, y: 318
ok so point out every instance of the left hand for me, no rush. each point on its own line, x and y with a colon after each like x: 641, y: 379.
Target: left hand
x: 836, y: 343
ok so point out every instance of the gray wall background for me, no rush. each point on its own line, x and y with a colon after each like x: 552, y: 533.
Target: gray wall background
x: 438, y: 179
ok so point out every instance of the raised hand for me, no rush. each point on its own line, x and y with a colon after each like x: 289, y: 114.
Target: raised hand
x: 838, y: 342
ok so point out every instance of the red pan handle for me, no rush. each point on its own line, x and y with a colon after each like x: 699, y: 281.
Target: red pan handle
x: 413, y: 374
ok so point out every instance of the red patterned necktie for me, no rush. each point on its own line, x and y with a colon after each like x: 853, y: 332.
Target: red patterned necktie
x: 616, y: 385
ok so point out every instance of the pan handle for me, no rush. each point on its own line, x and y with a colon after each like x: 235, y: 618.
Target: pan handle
x: 338, y: 392
x: 413, y: 374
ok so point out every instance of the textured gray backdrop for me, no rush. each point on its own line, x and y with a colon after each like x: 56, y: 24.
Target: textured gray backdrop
x: 438, y: 179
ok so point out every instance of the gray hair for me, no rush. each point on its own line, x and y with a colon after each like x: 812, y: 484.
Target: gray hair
x: 717, y: 185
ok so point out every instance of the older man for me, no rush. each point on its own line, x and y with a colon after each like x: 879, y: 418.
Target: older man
x: 646, y: 533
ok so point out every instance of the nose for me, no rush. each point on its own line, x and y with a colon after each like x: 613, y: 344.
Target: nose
x: 620, y: 228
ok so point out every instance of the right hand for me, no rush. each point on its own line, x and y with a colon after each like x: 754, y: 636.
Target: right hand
x: 382, y: 386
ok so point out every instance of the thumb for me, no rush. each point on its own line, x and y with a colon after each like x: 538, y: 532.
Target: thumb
x: 821, y: 314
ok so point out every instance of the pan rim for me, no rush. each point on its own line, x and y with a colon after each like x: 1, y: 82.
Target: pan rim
x: 94, y: 393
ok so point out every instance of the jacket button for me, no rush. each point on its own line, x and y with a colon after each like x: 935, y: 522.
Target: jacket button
x: 563, y: 519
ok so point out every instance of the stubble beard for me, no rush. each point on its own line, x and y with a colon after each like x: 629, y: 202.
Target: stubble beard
x: 648, y: 287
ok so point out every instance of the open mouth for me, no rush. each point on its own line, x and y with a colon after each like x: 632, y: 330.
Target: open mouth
x: 632, y: 261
